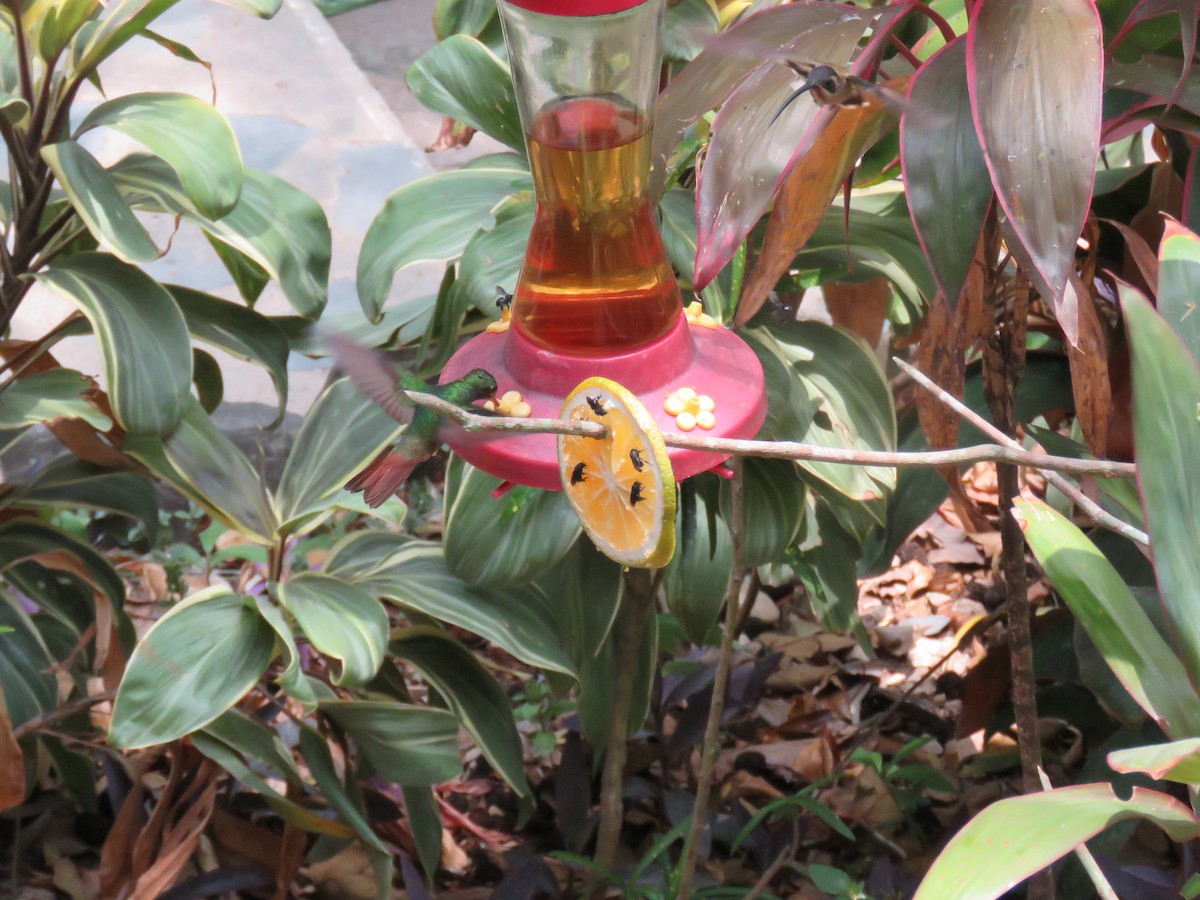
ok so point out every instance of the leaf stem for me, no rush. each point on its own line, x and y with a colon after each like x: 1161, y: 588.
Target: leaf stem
x: 936, y: 18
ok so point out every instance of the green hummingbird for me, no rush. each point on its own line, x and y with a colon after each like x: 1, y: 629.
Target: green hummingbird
x: 385, y: 384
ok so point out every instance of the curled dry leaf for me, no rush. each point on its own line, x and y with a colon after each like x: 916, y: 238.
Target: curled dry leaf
x: 808, y: 190
x: 1089, y: 374
x: 12, y: 763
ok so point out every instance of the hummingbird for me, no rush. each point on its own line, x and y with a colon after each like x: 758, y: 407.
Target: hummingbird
x: 831, y: 87
x: 386, y: 384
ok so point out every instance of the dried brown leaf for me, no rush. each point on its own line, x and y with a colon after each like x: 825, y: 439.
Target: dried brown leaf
x: 808, y: 191
x: 859, y: 308
x: 1089, y: 375
x: 12, y: 762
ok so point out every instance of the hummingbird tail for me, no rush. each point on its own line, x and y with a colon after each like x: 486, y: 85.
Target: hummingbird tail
x: 382, y: 478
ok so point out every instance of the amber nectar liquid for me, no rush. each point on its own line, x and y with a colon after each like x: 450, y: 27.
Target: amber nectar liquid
x: 596, y: 277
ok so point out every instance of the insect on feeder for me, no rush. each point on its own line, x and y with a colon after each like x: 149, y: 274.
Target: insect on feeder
x: 596, y: 295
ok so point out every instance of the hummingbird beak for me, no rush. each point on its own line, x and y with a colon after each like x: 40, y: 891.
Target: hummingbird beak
x: 793, y: 96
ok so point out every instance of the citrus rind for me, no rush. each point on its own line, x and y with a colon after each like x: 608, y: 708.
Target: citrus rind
x: 621, y: 486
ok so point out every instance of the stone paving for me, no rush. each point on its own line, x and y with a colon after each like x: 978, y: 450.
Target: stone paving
x: 303, y: 109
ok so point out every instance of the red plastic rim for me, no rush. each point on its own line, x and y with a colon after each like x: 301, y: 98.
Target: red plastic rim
x: 577, y: 7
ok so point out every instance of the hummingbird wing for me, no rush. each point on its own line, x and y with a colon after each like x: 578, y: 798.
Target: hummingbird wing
x: 374, y: 375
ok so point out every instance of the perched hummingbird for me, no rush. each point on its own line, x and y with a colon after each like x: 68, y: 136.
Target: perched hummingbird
x: 385, y: 384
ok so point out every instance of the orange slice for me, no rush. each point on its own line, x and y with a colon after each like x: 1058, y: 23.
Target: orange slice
x: 621, y: 486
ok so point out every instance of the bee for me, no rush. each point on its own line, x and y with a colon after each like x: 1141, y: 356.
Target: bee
x: 635, y: 457
x: 597, y: 406
x: 833, y: 88
x: 577, y: 475
x: 635, y: 494
x: 503, y: 298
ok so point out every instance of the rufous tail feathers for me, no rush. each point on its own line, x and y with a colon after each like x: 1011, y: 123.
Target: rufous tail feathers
x: 382, y: 478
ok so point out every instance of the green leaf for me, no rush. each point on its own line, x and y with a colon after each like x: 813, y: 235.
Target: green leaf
x: 124, y: 20
x: 194, y: 663
x: 292, y: 679
x: 473, y: 695
x: 203, y: 464
x: 945, y: 175
x: 697, y: 578
x: 1166, y: 431
x: 678, y: 209
x: 507, y: 540
x: 255, y: 740
x: 27, y: 538
x: 1177, y: 761
x: 409, y: 745
x: 413, y: 574
x: 46, y: 396
x: 324, y: 772
x: 835, y: 396
x: 1034, y: 71
x: 598, y: 674
x: 95, y: 198
x: 279, y: 227
x: 461, y: 78
x: 773, y: 509
x: 70, y: 483
x: 341, y: 620
x: 462, y: 17
x: 1021, y: 835
x: 1107, y: 610
x: 143, y: 338
x: 690, y: 25
x: 425, y: 823
x: 29, y: 688
x: 249, y: 277
x: 206, y: 375
x: 429, y: 220
x: 191, y: 136
x: 342, y: 433
x: 587, y: 588
x: 494, y: 256
x: 1179, y: 283
x: 240, y: 332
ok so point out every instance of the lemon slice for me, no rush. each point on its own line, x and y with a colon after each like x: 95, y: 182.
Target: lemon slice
x: 621, y: 486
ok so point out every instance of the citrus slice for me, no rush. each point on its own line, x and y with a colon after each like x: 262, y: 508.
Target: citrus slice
x: 621, y: 486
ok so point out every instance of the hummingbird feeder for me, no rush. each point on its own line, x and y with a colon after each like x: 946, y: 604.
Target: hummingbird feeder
x: 596, y: 295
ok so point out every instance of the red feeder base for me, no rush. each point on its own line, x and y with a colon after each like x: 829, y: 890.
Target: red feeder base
x: 715, y: 362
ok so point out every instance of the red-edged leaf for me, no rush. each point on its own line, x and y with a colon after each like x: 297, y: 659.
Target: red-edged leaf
x: 1035, y: 73
x: 805, y: 195
x: 945, y: 176
x: 1188, y: 12
x: 728, y: 60
x: 1155, y: 77
x: 751, y: 152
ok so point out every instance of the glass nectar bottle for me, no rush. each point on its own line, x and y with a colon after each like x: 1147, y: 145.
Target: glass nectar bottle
x: 596, y: 278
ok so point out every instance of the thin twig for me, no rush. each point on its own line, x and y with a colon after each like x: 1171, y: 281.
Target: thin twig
x: 711, y: 744
x: 1017, y: 455
x: 788, y: 854
x: 62, y: 712
x: 1088, y: 506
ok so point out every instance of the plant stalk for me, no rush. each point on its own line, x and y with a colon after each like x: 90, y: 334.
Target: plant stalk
x: 711, y: 745
x: 1007, y: 307
x: 636, y: 610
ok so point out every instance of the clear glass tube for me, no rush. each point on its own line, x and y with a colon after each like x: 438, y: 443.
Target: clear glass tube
x: 596, y: 278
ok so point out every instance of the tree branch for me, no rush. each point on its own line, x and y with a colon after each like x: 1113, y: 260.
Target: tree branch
x: 1017, y: 455
x: 1088, y: 506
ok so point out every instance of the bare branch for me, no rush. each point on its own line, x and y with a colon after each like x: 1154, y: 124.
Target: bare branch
x: 789, y: 449
x: 1088, y: 506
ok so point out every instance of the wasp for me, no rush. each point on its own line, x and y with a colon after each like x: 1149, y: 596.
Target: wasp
x: 635, y: 494
x: 577, y: 475
x: 635, y: 457
x: 503, y: 299
x: 597, y: 406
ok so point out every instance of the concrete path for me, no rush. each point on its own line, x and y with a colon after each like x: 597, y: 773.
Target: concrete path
x: 302, y: 109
